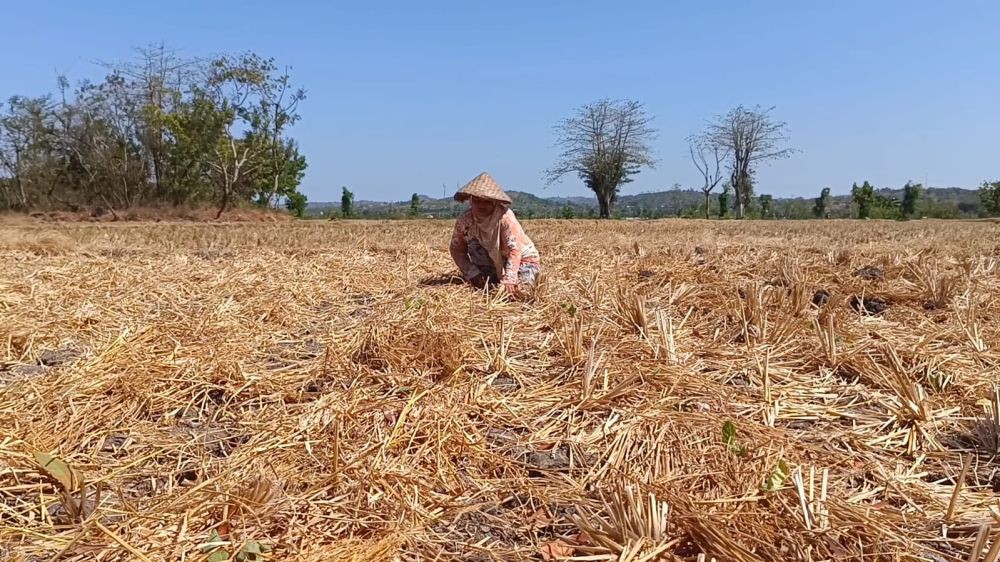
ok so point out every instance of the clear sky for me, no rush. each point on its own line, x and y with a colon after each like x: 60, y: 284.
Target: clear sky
x: 407, y: 97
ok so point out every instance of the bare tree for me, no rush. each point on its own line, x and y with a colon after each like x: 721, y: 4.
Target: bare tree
x: 752, y: 137
x: 707, y: 157
x: 605, y: 143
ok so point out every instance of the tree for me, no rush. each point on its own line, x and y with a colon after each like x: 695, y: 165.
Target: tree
x: 296, y: 203
x: 989, y: 194
x: 107, y: 138
x: 415, y: 205
x: 911, y: 196
x: 724, y: 201
x: 864, y: 198
x: 752, y: 138
x: 158, y: 129
x: 793, y: 209
x: 887, y: 207
x: 605, y: 143
x: 151, y: 88
x: 707, y: 155
x: 346, y: 203
x: 231, y: 156
x: 26, y: 137
x: 193, y: 132
x: 766, y: 205
x: 276, y: 111
x: 254, y: 156
x: 821, y: 209
x: 568, y: 212
x: 239, y: 84
x: 289, y: 175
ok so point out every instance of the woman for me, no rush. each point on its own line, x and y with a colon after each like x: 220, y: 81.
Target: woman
x: 488, y: 243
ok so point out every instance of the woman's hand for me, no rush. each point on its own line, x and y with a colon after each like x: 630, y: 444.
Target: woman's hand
x: 510, y: 288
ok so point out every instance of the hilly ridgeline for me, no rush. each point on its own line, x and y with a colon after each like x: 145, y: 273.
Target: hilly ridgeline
x: 936, y: 202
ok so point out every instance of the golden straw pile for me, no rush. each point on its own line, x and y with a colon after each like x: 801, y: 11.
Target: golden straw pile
x: 674, y: 390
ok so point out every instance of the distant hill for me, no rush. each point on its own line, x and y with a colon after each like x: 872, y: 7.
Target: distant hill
x: 941, y: 202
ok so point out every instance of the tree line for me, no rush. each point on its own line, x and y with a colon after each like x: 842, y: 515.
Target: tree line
x: 910, y: 201
x: 608, y: 142
x: 160, y: 129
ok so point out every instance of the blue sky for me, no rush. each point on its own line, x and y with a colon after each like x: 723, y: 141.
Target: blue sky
x: 409, y: 97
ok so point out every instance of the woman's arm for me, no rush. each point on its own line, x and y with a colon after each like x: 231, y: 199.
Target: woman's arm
x: 459, y: 249
x: 510, y: 233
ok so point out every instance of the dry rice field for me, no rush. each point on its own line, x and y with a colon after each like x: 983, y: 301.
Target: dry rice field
x: 674, y: 390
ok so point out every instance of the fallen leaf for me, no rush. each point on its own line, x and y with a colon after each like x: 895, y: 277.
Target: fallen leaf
x: 252, y: 551
x: 555, y: 550
x: 540, y: 518
x: 213, y: 542
x: 58, y: 470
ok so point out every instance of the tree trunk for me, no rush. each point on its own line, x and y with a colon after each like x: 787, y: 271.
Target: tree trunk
x: 604, y: 201
x: 708, y: 205
x: 739, y: 181
x: 158, y: 186
x: 225, y: 202
x: 23, y: 195
x: 273, y: 198
x: 18, y: 181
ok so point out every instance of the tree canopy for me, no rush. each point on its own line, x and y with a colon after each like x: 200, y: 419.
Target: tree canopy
x: 159, y: 129
x: 989, y: 194
x: 751, y: 137
x: 605, y: 143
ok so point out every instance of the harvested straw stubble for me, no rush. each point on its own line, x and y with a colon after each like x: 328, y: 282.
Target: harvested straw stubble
x: 326, y: 392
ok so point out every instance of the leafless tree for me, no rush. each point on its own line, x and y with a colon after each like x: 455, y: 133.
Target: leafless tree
x: 707, y: 157
x: 604, y: 143
x: 751, y: 137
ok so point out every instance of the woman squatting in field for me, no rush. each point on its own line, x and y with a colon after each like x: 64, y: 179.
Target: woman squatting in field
x: 488, y: 243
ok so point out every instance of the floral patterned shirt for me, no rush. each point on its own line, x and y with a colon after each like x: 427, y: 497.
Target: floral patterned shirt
x: 514, y: 244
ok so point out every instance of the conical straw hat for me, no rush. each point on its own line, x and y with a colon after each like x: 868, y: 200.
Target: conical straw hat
x: 484, y: 187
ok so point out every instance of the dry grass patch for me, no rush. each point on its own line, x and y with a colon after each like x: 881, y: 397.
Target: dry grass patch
x: 677, y: 390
